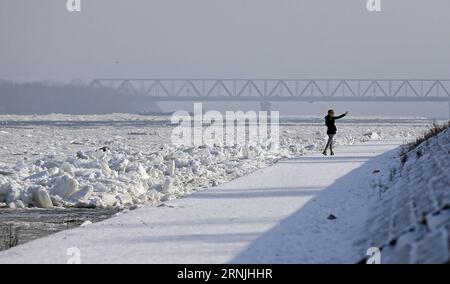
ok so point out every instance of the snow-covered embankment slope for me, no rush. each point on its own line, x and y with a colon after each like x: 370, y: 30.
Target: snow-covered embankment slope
x: 410, y: 222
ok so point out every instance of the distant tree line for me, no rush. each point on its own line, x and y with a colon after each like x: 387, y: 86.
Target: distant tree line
x: 40, y: 98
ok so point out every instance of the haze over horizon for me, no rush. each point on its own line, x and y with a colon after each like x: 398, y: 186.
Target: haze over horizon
x: 42, y: 41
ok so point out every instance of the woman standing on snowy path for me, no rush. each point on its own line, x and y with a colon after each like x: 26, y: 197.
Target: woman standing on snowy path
x: 331, y: 129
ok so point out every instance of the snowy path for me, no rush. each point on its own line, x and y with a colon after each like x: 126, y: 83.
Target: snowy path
x: 275, y: 215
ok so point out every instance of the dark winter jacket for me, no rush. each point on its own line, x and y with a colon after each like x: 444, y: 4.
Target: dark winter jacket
x: 329, y: 122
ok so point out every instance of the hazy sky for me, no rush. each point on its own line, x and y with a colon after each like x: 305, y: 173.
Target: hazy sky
x: 41, y: 40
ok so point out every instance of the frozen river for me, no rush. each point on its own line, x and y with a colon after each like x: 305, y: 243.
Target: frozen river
x: 34, y: 137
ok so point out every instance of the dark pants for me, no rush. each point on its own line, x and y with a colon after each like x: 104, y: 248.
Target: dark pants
x: 330, y: 142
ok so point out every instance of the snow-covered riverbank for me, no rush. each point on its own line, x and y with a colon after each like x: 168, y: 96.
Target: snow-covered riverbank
x: 127, y: 160
x: 264, y: 217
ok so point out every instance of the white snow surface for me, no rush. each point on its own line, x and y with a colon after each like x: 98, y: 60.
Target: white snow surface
x: 278, y: 214
x: 410, y: 221
x: 56, y: 160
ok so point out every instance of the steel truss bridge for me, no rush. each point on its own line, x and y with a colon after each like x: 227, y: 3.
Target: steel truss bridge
x: 279, y: 90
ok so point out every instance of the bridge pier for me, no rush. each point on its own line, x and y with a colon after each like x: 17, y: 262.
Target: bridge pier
x: 265, y: 106
x: 449, y: 110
